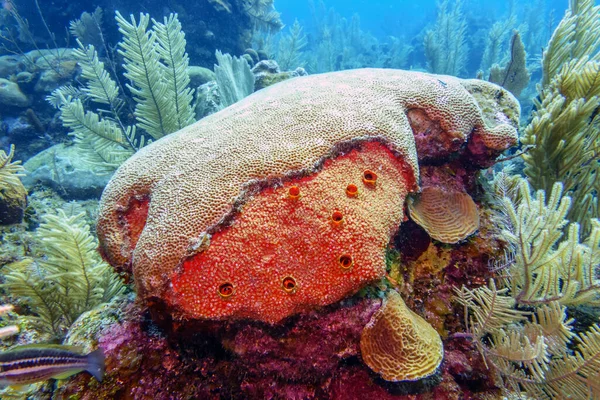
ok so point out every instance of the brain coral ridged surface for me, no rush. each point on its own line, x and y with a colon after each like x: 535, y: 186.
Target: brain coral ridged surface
x: 399, y: 344
x: 234, y: 215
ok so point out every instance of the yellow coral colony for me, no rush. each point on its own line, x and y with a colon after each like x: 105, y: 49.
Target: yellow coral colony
x: 400, y: 345
x: 548, y: 266
x: 564, y: 129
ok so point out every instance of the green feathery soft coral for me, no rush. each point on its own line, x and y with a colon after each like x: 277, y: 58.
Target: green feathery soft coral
x: 577, y: 36
x: 522, y: 329
x: 143, y: 69
x: 100, y: 87
x: 13, y: 195
x: 445, y: 45
x: 9, y: 174
x: 103, y: 142
x: 156, y: 65
x: 171, y: 49
x: 70, y: 279
x: 289, y: 55
x: 494, y: 43
x: 157, y: 84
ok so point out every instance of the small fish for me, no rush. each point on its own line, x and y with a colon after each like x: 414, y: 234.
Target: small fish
x: 23, y: 365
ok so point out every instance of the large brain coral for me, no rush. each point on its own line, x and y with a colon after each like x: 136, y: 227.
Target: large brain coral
x: 288, y: 199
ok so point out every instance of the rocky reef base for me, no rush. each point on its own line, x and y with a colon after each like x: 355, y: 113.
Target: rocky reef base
x: 314, y: 355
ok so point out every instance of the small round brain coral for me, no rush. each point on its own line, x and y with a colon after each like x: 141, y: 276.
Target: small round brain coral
x: 400, y: 345
x: 285, y: 200
x: 448, y: 216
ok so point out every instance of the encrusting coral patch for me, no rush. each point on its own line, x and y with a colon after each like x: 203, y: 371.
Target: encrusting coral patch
x: 338, y: 241
x: 287, y: 199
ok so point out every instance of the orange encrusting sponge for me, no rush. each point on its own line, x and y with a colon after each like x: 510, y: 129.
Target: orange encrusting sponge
x: 135, y: 219
x: 307, y: 243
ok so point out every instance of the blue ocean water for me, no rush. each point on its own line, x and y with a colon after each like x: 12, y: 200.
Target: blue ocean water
x: 406, y: 17
x: 191, y: 199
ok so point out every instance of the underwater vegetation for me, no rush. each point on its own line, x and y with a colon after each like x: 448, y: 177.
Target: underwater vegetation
x: 302, y: 211
x: 68, y: 280
x: 13, y: 195
x: 157, y: 67
x: 546, y: 277
x: 446, y: 44
x: 563, y: 130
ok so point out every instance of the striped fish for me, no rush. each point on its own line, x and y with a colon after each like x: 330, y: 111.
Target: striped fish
x: 23, y: 365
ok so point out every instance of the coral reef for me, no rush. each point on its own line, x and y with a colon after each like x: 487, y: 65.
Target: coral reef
x: 313, y: 356
x: 330, y: 236
x: 321, y: 118
x: 341, y: 241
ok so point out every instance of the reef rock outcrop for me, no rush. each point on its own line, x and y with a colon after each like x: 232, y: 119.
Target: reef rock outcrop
x: 287, y: 200
x: 11, y: 94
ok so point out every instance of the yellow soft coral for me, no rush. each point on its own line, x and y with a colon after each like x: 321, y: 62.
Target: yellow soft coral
x: 13, y: 196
